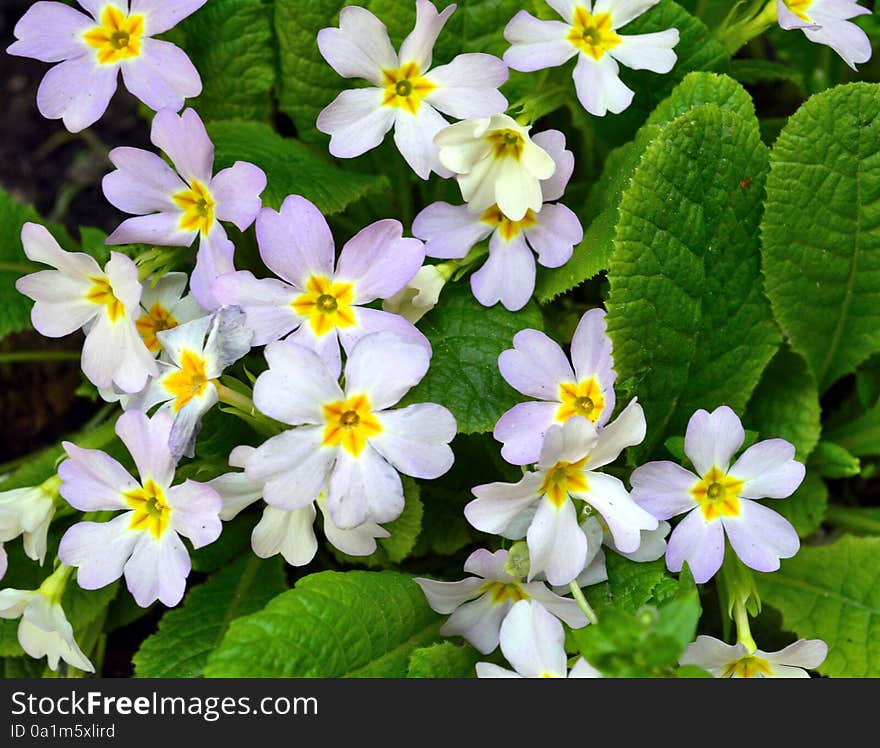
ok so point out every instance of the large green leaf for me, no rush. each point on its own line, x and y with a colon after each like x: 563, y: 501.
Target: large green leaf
x: 861, y: 436
x: 291, y: 167
x: 821, y: 230
x: 806, y: 507
x: 446, y: 660
x: 690, y: 325
x: 832, y: 592
x: 600, y: 213
x: 632, y: 585
x: 331, y: 625
x: 187, y: 635
x: 467, y: 339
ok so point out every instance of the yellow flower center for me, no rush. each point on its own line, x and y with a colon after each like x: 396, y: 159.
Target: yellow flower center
x: 158, y: 318
x: 118, y: 37
x: 564, y: 478
x: 748, y: 667
x: 350, y: 423
x: 101, y: 292
x: 326, y: 305
x: 197, y: 205
x: 189, y: 382
x: 151, y: 511
x: 592, y: 34
x: 509, y: 229
x: 405, y: 88
x: 718, y: 495
x: 799, y: 8
x: 506, y: 143
x: 502, y: 591
x: 580, y: 399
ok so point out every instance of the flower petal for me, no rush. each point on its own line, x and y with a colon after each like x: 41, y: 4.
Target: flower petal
x: 292, y: 534
x: 536, y: 44
x: 478, y: 622
x: 162, y: 15
x: 77, y: 91
x: 554, y: 235
x: 92, y: 481
x: 99, y: 550
x: 214, y: 258
x: 266, y: 303
x: 598, y: 86
x: 522, y: 430
x: 184, y: 138
x: 356, y: 121
x: 147, y: 441
x: 535, y: 366
x: 237, y: 191
x: 419, y: 44
x: 415, y: 439
x: 760, y: 536
x: 663, y: 488
x: 157, y: 570
x: 162, y: 76
x: 532, y: 640
x: 625, y: 519
x: 627, y: 430
x: 623, y: 11
x: 449, y: 231
x: 508, y: 275
x: 648, y: 51
x: 362, y: 489
x: 805, y: 653
x: 360, y: 47
x: 557, y: 547
x: 384, y: 368
x: 553, y: 142
x: 142, y: 183
x: 445, y: 597
x: 591, y: 353
x: 698, y: 542
x: 769, y: 470
x: 161, y: 229
x: 713, y: 438
x: 497, y: 504
x: 50, y: 32
x: 414, y: 137
x: 468, y: 86
x: 196, y: 512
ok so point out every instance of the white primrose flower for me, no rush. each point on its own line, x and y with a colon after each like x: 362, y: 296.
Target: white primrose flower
x: 479, y: 604
x: 198, y: 352
x: 348, y: 440
x: 288, y: 532
x: 827, y: 22
x: 537, y: 367
x: 508, y: 275
x: 44, y: 630
x: 419, y: 296
x: 541, y: 506
x: 104, y: 303
x: 533, y: 641
x: 719, y: 498
x: 27, y: 512
x: 735, y: 661
x: 163, y: 307
x: 496, y: 162
x: 405, y: 93
x: 590, y: 31
x: 144, y: 542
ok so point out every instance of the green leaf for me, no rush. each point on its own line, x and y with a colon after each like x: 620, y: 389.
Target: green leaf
x: 291, y: 167
x: 861, y: 436
x: 821, y: 230
x: 831, y: 460
x: 601, y: 213
x: 832, y: 592
x: 232, y: 44
x: 446, y: 660
x: 188, y: 634
x: 856, y: 520
x: 690, y: 325
x: 467, y: 339
x: 331, y: 625
x: 785, y: 404
x: 751, y: 71
x: 632, y: 584
x: 806, y: 507
x: 234, y: 541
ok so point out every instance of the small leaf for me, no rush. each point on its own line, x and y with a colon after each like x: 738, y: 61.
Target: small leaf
x: 446, y: 660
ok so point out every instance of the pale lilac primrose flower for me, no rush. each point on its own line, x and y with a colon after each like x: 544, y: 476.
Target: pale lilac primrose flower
x: 186, y: 385
x: 144, y: 542
x: 589, y: 30
x: 92, y: 49
x: 533, y: 642
x: 542, y: 506
x: 288, y: 532
x: 405, y: 93
x: 44, y: 630
x: 349, y: 440
x: 479, y: 604
x: 27, y: 512
x: 174, y: 206
x: 163, y: 307
x: 421, y: 294
x: 827, y: 22
x: 496, y: 162
x: 537, y: 367
x: 735, y: 661
x: 508, y: 275
x: 719, y: 498
x: 321, y: 299
x: 104, y: 303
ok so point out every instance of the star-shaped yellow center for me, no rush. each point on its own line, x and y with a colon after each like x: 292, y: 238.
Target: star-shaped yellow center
x: 118, y: 37
x: 326, y: 305
x: 592, y: 34
x: 718, y: 495
x: 151, y: 510
x: 350, y: 423
x: 405, y: 88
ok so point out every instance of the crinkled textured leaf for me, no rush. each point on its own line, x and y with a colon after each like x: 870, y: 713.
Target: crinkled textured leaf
x: 291, y: 167
x: 690, y: 325
x: 232, y: 44
x: 832, y: 592
x: 632, y: 584
x: 446, y: 660
x: 331, y: 625
x: 467, y: 339
x: 785, y: 404
x: 600, y: 213
x: 188, y: 634
x: 821, y: 230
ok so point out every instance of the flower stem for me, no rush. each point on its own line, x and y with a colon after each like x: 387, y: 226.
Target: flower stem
x: 743, y: 631
x: 33, y: 356
x: 587, y: 609
x: 736, y: 35
x: 235, y: 399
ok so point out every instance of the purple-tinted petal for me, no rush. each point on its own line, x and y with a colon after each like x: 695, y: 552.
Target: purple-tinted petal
x: 214, y: 258
x: 40, y: 246
x: 449, y: 231
x: 92, y: 481
x: 445, y: 597
x: 598, y: 86
x: 184, y: 138
x: 77, y: 91
x: 157, y: 569
x: 627, y: 430
x: 554, y: 236
x: 99, y: 550
x: 360, y: 47
x: 161, y: 229
x: 415, y: 439
x: 553, y: 141
x: 648, y: 51
x: 61, y: 306
x: 591, y: 353
x: 768, y: 470
x: 625, y: 519
x: 266, y: 303
x: 162, y: 76
x: 162, y: 15
x: 557, y: 546
x: 379, y: 261
x: 368, y: 321
x: 143, y: 182
x: 522, y: 430
x: 699, y: 543
x: 361, y: 489
x: 568, y: 442
x: 419, y: 44
x: 414, y: 137
x: 712, y: 439
x: 535, y: 366
x: 237, y: 191
x: 760, y: 536
x: 533, y: 641
x: 468, y: 86
x: 147, y: 441
x: 537, y: 44
x: 848, y: 40
x: 326, y: 346
x: 384, y: 368
x: 50, y: 32
x: 356, y: 121
x: 114, y: 353
x: 488, y: 564
x: 478, y: 622
x: 196, y: 512
x: 508, y: 275
x: 296, y: 242
x: 663, y: 488
x: 497, y: 504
